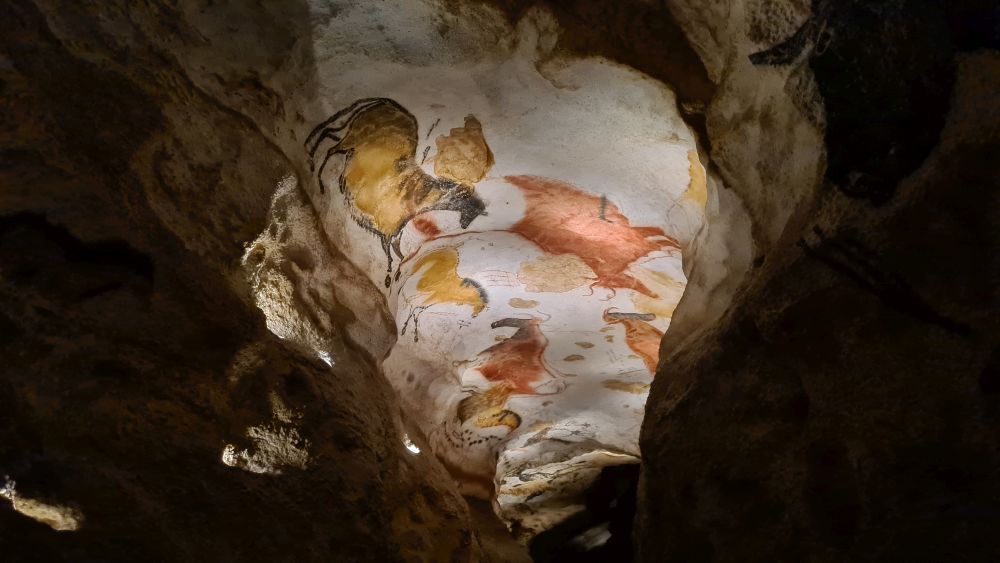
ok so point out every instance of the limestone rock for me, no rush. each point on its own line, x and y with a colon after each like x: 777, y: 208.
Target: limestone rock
x: 134, y: 356
x: 842, y: 408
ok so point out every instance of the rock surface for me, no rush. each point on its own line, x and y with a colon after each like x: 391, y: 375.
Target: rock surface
x: 522, y: 212
x: 844, y: 407
x: 830, y: 386
x: 142, y: 395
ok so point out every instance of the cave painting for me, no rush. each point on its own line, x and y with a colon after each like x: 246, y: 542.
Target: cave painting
x: 438, y: 283
x: 562, y: 219
x: 539, y: 328
x: 381, y: 180
x: 640, y: 336
x: 515, y: 366
x: 518, y: 363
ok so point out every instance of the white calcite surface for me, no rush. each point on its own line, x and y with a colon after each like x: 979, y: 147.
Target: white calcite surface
x: 523, y: 215
x: 528, y: 212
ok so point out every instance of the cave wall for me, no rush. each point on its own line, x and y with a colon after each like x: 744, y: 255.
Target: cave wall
x: 843, y: 407
x: 522, y: 209
x: 829, y: 391
x: 144, y: 401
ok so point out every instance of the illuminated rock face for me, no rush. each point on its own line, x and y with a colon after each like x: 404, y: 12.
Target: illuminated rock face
x: 832, y: 388
x: 529, y: 309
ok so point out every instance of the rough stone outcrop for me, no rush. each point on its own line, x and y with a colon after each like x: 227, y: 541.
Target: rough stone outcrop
x: 843, y: 407
x: 141, y: 395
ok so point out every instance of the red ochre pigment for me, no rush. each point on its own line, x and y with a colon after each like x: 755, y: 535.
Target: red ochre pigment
x: 562, y: 219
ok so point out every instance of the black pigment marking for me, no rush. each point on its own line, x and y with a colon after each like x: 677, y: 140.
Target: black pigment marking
x: 328, y: 129
x: 431, y: 130
x: 427, y: 149
x: 523, y: 327
x: 631, y: 316
x: 467, y: 282
x: 415, y: 317
x: 604, y: 207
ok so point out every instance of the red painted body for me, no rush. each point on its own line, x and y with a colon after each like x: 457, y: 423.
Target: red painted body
x: 562, y: 219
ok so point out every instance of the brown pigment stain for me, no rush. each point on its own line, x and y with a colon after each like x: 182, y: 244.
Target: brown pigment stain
x: 584, y: 344
x: 554, y: 274
x: 540, y: 425
x: 562, y: 219
x: 519, y: 303
x: 463, y: 155
x: 573, y: 358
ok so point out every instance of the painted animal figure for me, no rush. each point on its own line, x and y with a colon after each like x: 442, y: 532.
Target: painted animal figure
x: 563, y: 219
x: 518, y: 362
x: 439, y: 283
x: 515, y: 366
x: 641, y: 337
x: 374, y: 142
